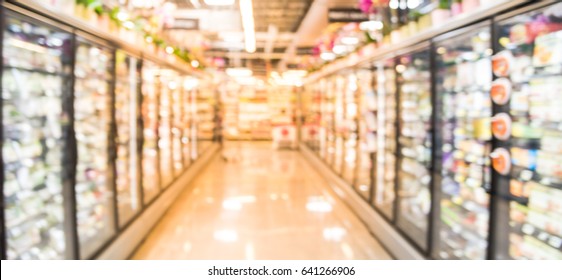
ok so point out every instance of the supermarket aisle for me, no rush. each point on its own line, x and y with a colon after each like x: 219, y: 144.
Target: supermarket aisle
x: 259, y: 204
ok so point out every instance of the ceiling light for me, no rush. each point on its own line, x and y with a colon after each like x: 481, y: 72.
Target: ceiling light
x: 169, y: 50
x: 195, y: 63
x: 247, y: 11
x: 239, y: 72
x: 219, y: 2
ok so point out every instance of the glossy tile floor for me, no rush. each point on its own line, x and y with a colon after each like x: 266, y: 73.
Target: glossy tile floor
x: 258, y: 203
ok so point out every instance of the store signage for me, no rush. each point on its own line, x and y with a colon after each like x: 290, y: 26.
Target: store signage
x: 184, y: 24
x: 346, y: 15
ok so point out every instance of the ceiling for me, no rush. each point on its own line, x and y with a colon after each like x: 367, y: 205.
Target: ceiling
x: 277, y: 23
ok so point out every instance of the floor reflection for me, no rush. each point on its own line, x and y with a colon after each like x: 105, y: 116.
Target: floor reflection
x: 257, y: 203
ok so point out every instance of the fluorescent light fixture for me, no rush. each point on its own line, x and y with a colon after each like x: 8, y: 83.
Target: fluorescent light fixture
x: 239, y: 72
x: 371, y: 25
x: 350, y: 40
x: 247, y: 11
x: 219, y: 2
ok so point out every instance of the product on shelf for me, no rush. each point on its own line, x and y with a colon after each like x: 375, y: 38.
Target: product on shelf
x: 126, y: 90
x: 385, y: 180
x: 35, y: 154
x: 414, y: 136
x: 150, y: 107
x: 533, y: 41
x: 92, y: 115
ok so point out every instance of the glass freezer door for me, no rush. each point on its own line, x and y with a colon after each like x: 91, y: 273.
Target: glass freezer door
x: 150, y: 170
x: 367, y: 133
x: 126, y: 89
x: 35, y: 86
x: 95, y: 208
x: 165, y: 133
x: 463, y: 80
x: 528, y: 71
x: 385, y: 180
x: 414, y: 138
x: 350, y: 129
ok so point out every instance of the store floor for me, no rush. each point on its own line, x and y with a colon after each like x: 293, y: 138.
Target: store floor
x: 258, y: 203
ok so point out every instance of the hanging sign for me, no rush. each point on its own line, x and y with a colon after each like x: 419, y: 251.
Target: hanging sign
x: 346, y: 15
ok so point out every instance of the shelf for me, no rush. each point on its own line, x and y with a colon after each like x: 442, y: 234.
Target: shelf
x: 39, y: 71
x: 548, y: 239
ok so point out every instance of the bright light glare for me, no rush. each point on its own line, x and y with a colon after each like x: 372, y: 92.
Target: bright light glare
x: 321, y: 206
x: 371, y: 25
x: 393, y: 4
x: 327, y: 56
x: 334, y: 233
x: 239, y: 72
x: 412, y: 4
x: 339, y: 49
x: 226, y: 235
x: 350, y: 40
x: 169, y: 50
x: 195, y: 63
x: 219, y: 2
x: 247, y: 11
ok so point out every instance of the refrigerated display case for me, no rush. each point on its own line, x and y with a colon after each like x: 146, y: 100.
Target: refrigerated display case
x: 385, y: 174
x: 165, y: 130
x: 35, y: 121
x: 528, y: 124
x: 367, y: 133
x: 95, y: 205
x: 127, y: 179
x: 463, y: 79
x: 350, y: 127
x: 414, y: 145
x: 150, y: 180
